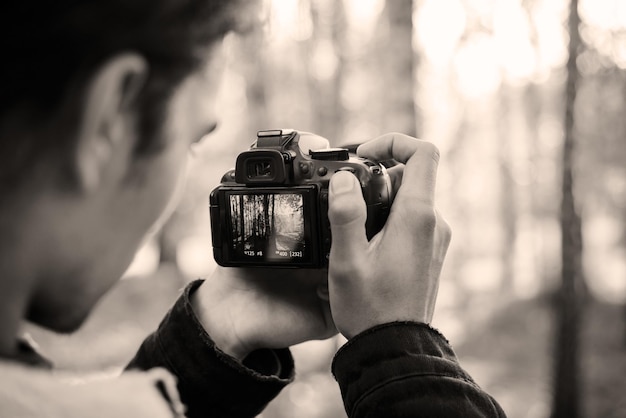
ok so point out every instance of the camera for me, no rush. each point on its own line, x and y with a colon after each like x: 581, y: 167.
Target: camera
x: 271, y: 210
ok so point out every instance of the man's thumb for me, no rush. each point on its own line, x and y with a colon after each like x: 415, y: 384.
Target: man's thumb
x: 347, y: 214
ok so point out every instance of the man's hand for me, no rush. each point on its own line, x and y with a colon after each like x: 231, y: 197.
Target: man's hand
x: 247, y: 309
x: 395, y: 276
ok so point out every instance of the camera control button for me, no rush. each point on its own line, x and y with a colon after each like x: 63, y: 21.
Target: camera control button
x: 322, y: 171
x: 350, y: 169
x: 330, y: 154
x: 306, y: 169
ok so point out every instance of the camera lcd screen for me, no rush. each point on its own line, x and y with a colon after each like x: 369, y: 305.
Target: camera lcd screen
x: 269, y: 226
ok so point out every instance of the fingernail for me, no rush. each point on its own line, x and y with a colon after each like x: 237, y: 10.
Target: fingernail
x: 342, y: 183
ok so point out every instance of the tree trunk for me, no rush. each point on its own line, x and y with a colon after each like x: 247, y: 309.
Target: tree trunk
x: 567, y: 378
x: 257, y: 81
x: 329, y: 21
x: 508, y: 204
x: 243, y: 235
x: 400, y: 62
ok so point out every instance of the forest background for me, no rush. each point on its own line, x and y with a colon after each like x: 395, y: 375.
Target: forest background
x: 520, y: 96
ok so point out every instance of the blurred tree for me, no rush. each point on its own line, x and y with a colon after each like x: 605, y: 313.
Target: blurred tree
x: 399, y: 60
x: 325, y: 57
x: 566, y: 400
x: 256, y: 77
x: 508, y: 201
x: 534, y: 110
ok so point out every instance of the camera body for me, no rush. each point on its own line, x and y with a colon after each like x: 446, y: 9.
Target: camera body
x: 272, y: 209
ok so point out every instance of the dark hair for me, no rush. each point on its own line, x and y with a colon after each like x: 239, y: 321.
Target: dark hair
x: 50, y: 48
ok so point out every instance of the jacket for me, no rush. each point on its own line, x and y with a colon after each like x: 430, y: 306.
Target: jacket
x: 400, y: 369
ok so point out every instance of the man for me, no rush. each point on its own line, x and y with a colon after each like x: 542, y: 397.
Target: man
x: 100, y: 102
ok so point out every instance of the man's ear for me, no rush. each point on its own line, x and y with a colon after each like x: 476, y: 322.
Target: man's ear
x: 108, y: 118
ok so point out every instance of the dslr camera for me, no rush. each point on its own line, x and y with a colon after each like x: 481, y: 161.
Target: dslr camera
x: 272, y: 209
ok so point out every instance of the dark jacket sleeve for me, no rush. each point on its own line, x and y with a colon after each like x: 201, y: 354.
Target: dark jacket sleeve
x: 407, y: 369
x: 211, y: 383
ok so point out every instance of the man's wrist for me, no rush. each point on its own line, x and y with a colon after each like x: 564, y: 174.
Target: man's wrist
x: 223, y: 336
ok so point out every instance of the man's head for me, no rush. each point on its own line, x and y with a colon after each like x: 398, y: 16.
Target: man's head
x: 99, y: 101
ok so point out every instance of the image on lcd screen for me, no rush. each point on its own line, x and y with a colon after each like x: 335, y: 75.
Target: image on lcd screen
x: 268, y: 226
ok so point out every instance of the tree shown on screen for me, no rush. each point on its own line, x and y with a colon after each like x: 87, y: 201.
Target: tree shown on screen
x: 267, y: 224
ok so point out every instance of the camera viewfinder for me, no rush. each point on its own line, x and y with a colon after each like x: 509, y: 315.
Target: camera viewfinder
x: 263, y: 166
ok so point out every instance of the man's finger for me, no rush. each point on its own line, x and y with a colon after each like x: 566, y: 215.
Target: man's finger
x: 399, y: 147
x: 421, y: 159
x: 395, y: 175
x: 347, y: 214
